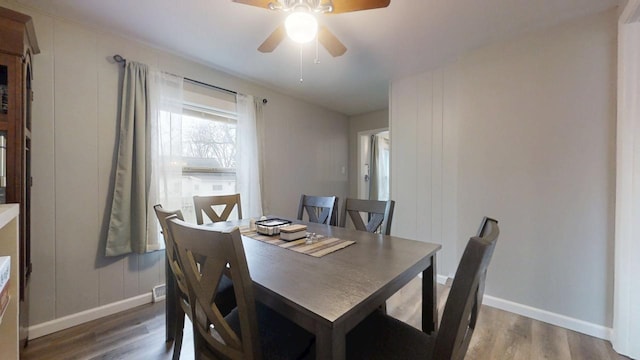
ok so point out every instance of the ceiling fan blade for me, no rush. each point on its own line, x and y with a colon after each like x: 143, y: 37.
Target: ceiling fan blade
x: 343, y: 6
x: 272, y: 42
x: 258, y: 3
x: 330, y: 42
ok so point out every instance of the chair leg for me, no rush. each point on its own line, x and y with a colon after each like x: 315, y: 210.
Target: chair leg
x: 383, y: 308
x: 197, y: 345
x: 170, y: 303
x: 179, y: 334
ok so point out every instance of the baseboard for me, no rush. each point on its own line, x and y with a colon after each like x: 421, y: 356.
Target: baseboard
x: 440, y: 279
x: 581, y: 326
x: 566, y: 322
x: 66, y: 322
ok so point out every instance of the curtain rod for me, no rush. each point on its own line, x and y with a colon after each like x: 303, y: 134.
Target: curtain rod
x: 119, y: 59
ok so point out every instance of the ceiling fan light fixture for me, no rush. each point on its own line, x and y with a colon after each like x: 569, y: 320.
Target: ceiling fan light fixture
x: 301, y: 26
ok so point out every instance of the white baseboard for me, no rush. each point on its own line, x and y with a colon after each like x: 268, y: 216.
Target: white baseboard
x: 66, y: 322
x: 441, y: 279
x: 566, y: 322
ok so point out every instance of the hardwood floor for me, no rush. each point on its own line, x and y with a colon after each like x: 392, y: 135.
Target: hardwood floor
x: 139, y: 334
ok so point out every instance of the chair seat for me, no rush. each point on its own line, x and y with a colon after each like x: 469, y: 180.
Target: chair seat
x: 381, y: 336
x: 225, y: 297
x: 280, y: 338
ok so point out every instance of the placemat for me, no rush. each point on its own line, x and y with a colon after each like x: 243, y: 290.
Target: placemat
x: 325, y: 245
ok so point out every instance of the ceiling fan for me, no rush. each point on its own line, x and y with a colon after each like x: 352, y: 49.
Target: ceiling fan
x: 301, y: 24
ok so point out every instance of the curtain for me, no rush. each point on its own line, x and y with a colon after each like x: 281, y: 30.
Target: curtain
x: 379, y: 168
x: 626, y: 296
x: 166, y: 145
x: 144, y: 170
x: 247, y: 156
x: 373, y: 168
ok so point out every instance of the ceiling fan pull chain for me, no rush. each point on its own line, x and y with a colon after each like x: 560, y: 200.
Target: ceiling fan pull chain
x: 301, y: 79
x: 317, y: 59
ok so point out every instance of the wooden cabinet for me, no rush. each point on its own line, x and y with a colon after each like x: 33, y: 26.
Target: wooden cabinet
x: 17, y: 46
x: 9, y: 324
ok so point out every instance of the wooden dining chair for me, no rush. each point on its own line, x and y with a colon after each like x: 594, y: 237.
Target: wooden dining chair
x: 252, y: 330
x: 319, y: 209
x: 381, y: 336
x: 378, y: 213
x: 205, y: 204
x: 177, y: 305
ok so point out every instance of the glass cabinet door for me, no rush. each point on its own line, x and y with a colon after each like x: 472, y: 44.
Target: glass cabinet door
x: 8, y: 83
x: 4, y: 89
x: 8, y: 112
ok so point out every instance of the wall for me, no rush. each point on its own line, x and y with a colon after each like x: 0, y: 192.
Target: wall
x: 525, y: 132
x: 626, y: 298
x: 306, y: 149
x: 423, y: 162
x: 363, y: 122
x: 74, y: 136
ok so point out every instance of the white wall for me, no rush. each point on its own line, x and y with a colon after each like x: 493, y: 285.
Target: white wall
x: 525, y: 132
x: 74, y: 136
x: 306, y: 149
x: 424, y: 165
x: 626, y: 298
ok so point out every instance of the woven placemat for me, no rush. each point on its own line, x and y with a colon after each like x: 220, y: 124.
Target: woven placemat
x: 325, y: 245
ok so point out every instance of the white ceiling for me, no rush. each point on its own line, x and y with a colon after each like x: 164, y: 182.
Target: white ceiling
x: 408, y: 37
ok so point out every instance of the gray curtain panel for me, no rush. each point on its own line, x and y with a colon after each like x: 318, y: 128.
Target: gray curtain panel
x: 127, y: 224
x: 374, y: 176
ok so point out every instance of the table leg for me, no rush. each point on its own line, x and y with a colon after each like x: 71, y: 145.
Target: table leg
x: 170, y: 302
x: 330, y: 343
x: 430, y: 298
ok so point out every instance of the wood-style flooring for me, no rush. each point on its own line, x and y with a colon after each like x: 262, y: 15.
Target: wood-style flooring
x: 139, y: 334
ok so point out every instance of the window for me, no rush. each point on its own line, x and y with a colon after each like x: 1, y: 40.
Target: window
x: 209, y: 120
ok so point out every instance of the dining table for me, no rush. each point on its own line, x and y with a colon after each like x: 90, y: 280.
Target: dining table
x: 331, y: 294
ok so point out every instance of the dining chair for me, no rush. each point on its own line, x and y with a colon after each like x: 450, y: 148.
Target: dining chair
x: 319, y: 209
x: 381, y: 336
x: 378, y: 213
x: 177, y: 299
x: 251, y: 330
x: 205, y: 204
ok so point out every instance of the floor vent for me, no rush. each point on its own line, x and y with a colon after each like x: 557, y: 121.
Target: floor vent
x: 159, y: 292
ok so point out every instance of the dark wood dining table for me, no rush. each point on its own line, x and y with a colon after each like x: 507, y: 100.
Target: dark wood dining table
x: 330, y: 295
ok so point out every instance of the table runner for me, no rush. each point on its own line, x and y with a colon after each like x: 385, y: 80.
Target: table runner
x: 325, y: 245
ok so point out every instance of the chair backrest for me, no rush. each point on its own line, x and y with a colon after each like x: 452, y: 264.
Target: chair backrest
x: 465, y: 297
x: 319, y: 209
x: 205, y: 204
x: 485, y: 225
x: 378, y: 213
x: 205, y: 255
x: 170, y: 246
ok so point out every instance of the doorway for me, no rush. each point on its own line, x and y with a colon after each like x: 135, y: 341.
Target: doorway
x: 373, y: 164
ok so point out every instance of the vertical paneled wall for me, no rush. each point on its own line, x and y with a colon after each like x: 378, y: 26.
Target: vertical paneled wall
x: 305, y: 153
x: 76, y: 176
x: 420, y: 180
x: 523, y: 131
x: 74, y: 137
x: 43, y: 226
